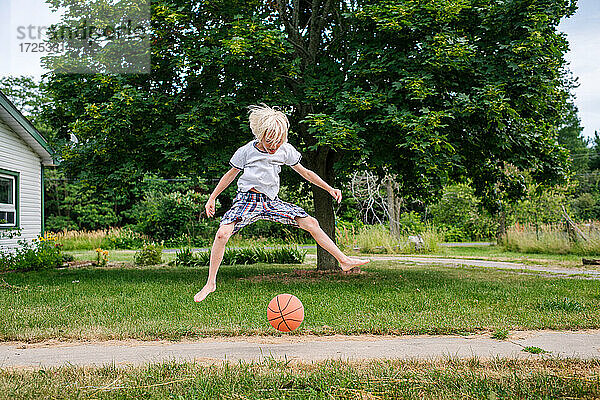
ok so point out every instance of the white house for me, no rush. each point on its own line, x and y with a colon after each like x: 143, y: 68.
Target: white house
x: 24, y: 153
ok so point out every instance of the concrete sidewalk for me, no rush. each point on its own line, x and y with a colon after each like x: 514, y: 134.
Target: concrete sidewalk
x: 584, y: 345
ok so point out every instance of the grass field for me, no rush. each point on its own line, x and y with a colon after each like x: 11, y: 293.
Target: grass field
x: 389, y: 298
x: 445, y: 379
x: 498, y: 252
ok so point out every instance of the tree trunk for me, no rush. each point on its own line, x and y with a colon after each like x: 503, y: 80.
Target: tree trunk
x: 321, y: 162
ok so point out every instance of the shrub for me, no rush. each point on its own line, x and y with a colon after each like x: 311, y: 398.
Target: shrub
x: 454, y: 233
x: 166, y: 216
x: 585, y: 206
x: 539, y: 207
x: 460, y: 212
x: 250, y: 255
x: 41, y: 253
x: 411, y: 223
x: 113, y: 238
x: 56, y: 223
x: 149, y: 254
x: 95, y: 214
x: 185, y: 258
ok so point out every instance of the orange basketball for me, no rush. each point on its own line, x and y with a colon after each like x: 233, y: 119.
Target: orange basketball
x: 285, y: 312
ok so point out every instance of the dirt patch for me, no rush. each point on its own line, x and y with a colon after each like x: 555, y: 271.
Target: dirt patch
x: 281, y: 339
x: 304, y: 275
x: 78, y: 263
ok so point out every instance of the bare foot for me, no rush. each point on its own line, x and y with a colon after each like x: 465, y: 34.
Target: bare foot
x: 353, y: 263
x: 206, y: 290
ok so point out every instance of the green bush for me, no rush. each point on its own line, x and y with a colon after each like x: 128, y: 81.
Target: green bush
x: 411, y: 223
x: 461, y: 215
x: 41, y: 253
x: 166, y: 216
x: 454, y: 233
x: 585, y: 206
x: 185, y: 257
x: 251, y: 255
x: 95, y: 214
x: 55, y: 223
x: 539, y: 207
x: 149, y: 254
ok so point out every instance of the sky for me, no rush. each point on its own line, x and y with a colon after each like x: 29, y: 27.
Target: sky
x: 583, y: 33
x: 582, y: 29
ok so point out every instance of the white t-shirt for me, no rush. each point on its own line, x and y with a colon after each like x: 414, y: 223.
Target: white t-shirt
x: 261, y: 169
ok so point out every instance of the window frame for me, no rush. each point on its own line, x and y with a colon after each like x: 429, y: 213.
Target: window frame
x: 6, y: 207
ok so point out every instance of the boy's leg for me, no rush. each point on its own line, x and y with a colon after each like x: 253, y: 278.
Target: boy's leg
x: 216, y: 256
x: 311, y: 225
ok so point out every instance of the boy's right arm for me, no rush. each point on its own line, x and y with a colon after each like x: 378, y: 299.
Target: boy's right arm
x: 222, y: 185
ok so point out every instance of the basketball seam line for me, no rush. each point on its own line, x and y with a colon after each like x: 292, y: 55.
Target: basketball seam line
x: 283, y: 319
x: 288, y: 313
x: 288, y: 303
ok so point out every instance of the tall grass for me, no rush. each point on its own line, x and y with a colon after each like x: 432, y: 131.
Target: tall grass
x: 82, y: 240
x: 378, y: 239
x: 552, y: 239
x: 113, y: 238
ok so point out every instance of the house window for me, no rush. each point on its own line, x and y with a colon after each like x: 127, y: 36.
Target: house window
x: 8, y: 209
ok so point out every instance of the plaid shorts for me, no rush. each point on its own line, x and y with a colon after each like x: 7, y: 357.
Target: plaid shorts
x: 249, y: 207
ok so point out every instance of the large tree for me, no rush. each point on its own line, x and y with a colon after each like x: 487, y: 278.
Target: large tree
x: 427, y: 90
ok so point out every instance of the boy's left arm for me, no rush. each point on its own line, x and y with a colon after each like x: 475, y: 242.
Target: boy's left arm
x: 316, y: 179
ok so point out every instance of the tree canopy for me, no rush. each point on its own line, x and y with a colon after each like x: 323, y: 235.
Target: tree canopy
x: 427, y: 90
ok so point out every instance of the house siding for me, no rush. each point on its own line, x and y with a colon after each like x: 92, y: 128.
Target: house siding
x: 17, y: 156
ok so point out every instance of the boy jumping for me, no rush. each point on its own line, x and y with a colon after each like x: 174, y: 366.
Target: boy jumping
x: 261, y: 160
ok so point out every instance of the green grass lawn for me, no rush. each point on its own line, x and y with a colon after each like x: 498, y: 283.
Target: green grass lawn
x: 498, y: 252
x: 445, y: 379
x: 390, y: 298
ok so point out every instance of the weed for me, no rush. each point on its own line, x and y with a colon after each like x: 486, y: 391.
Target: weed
x: 534, y: 350
x: 561, y: 304
x: 500, y: 334
x: 149, y: 254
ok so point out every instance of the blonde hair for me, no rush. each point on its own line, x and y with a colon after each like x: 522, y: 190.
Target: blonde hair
x: 269, y: 122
